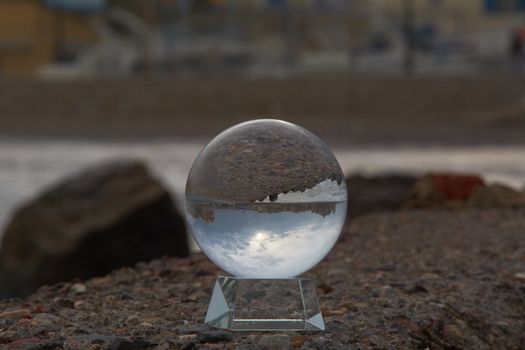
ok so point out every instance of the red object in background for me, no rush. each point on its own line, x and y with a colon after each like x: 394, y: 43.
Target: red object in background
x: 520, y: 33
x: 456, y: 186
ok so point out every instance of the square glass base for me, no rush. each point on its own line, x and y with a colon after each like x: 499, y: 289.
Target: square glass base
x: 247, y: 304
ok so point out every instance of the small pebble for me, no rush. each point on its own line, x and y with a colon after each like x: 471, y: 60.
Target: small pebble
x: 416, y: 288
x: 452, y: 333
x: 520, y: 276
x: 78, y: 288
x: 123, y: 344
x: 126, y: 296
x: 131, y: 320
x: 189, y: 346
x: 66, y: 303
x: 191, y: 329
x: 385, y: 291
x: 187, y: 337
x: 16, y: 314
x: 214, y: 336
x: 325, y: 288
x: 298, y: 341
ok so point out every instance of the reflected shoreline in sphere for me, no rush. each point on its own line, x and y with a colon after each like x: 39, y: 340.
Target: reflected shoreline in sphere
x: 262, y: 158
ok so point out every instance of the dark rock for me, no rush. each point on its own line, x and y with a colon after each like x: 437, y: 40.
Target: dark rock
x: 34, y: 344
x: 65, y: 303
x: 214, y: 336
x: 325, y: 288
x: 126, y: 296
x: 416, y: 288
x: 111, y: 215
x: 123, y: 344
x: 189, y: 346
x: 368, y: 194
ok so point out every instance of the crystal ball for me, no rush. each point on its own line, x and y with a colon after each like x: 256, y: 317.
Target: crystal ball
x: 266, y: 199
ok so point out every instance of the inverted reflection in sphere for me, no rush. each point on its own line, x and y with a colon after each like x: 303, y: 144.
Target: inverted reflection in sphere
x: 266, y: 198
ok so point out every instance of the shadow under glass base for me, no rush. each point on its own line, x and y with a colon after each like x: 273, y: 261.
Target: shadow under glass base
x: 247, y: 304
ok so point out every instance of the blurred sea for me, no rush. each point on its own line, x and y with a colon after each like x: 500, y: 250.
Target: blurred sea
x: 28, y: 167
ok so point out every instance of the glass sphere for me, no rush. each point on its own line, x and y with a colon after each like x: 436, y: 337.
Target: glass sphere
x: 266, y: 199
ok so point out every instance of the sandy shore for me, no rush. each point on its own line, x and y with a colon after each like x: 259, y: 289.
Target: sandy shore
x: 343, y: 109
x: 27, y: 167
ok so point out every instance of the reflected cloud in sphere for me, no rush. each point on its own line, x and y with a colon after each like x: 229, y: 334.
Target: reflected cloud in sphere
x: 249, y: 243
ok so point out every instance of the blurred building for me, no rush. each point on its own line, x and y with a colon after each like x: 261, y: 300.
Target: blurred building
x: 33, y: 34
x: 474, y: 14
x: 78, y: 38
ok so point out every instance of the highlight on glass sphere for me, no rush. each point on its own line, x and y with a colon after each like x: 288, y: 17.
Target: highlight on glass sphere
x: 266, y: 199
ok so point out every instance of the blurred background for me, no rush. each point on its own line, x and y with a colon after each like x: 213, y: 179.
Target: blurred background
x: 403, y: 86
x: 71, y: 39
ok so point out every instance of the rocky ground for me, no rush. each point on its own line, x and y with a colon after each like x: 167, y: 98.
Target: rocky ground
x: 413, y: 279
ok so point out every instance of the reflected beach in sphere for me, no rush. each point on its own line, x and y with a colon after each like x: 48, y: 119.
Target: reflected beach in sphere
x: 266, y: 198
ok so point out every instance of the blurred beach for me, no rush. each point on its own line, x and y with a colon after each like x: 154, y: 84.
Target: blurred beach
x: 28, y: 167
x: 425, y: 98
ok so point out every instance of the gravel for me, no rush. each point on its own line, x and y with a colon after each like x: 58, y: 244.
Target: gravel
x: 407, y: 280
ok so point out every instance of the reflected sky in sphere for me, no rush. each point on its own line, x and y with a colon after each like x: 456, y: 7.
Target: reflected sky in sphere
x: 249, y: 242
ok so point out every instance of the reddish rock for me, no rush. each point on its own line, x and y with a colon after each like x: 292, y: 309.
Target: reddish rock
x: 444, y: 190
x: 455, y: 186
x: 462, y: 191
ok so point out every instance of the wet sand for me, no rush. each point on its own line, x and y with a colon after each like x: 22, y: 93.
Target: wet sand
x: 344, y: 110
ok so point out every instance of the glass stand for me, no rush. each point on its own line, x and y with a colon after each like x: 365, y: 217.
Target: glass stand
x: 247, y: 304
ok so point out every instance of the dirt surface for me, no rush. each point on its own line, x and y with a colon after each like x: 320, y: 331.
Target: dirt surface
x: 342, y: 109
x: 407, y: 280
